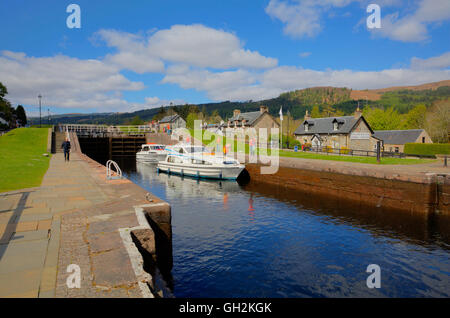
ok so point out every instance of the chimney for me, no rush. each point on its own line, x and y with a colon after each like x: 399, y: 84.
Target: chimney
x: 236, y: 112
x: 307, y: 117
x: 358, y: 112
x: 263, y: 109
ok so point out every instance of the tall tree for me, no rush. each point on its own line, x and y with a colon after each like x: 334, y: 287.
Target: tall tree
x: 438, y: 121
x: 21, y: 115
x: 193, y: 116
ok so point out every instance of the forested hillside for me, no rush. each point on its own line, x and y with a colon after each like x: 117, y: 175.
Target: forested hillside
x: 402, y: 108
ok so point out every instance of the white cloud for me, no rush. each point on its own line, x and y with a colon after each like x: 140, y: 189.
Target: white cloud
x: 414, y: 27
x: 437, y: 62
x: 257, y: 85
x: 195, y: 45
x: 133, y: 54
x: 301, y: 19
x: 304, y: 18
x: 152, y: 102
x: 64, y: 81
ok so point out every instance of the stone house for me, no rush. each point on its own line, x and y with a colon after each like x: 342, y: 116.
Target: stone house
x: 351, y: 132
x: 172, y: 122
x: 257, y: 119
x: 395, y: 140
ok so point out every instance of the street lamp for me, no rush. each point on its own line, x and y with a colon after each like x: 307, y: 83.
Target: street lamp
x: 40, y: 97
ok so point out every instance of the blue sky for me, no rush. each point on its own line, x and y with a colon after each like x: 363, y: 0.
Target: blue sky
x: 142, y: 54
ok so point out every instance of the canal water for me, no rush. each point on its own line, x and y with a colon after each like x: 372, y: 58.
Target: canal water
x: 232, y: 240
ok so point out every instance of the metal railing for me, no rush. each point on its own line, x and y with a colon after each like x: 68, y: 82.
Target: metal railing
x: 110, y: 174
x: 102, y: 130
x: 361, y: 153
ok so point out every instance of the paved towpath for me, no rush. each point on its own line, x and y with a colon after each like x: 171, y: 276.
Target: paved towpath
x: 74, y: 217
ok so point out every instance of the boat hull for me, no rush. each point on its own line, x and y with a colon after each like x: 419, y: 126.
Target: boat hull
x: 150, y: 157
x: 200, y: 171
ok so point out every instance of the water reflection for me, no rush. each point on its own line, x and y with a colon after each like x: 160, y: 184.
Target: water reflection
x: 264, y: 241
x: 417, y: 229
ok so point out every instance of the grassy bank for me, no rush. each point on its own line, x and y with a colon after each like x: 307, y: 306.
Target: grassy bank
x: 211, y: 140
x: 22, y: 164
x: 372, y: 160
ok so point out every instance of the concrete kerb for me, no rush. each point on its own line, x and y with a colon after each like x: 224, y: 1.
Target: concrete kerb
x: 150, y: 286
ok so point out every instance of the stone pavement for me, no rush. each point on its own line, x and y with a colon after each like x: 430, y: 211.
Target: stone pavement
x: 74, y: 217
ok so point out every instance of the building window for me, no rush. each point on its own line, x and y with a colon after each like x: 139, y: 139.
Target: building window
x: 397, y: 149
x: 306, y: 127
x: 335, y: 124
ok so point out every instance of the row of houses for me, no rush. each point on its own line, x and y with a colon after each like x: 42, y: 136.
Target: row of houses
x: 351, y: 132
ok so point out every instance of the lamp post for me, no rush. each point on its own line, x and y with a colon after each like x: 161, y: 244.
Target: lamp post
x: 287, y: 138
x: 40, y: 97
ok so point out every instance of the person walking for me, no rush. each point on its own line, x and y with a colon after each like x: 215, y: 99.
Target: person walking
x: 66, y: 146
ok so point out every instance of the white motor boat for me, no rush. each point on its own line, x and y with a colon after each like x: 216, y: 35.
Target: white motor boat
x: 198, y: 162
x: 151, y: 153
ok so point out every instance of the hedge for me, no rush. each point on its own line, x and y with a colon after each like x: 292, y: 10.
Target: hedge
x: 427, y: 149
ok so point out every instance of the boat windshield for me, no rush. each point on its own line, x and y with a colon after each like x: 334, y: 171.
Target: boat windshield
x: 157, y: 147
x: 194, y: 149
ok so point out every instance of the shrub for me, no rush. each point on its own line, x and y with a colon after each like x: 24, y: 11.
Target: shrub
x: 306, y: 146
x: 427, y: 149
x: 327, y: 149
x: 344, y: 151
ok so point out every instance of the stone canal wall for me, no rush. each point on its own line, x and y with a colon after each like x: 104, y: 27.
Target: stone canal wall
x: 120, y: 236
x: 387, y: 188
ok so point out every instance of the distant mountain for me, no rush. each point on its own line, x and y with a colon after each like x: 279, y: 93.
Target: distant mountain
x: 375, y: 94
x: 339, y: 99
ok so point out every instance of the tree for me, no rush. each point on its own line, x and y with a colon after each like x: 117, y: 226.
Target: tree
x: 315, y: 112
x: 7, y: 112
x: 328, y: 111
x: 21, y: 115
x: 3, y: 91
x: 215, y: 117
x: 380, y: 119
x: 415, y: 118
x: 438, y: 121
x: 136, y: 121
x: 190, y: 120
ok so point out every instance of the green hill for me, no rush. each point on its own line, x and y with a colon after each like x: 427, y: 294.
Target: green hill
x: 332, y: 100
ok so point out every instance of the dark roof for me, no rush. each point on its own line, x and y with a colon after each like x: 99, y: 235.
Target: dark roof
x: 250, y: 117
x: 169, y: 119
x: 398, y: 137
x: 326, y: 125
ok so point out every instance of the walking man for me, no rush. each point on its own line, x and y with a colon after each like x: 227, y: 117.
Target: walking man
x: 66, y: 146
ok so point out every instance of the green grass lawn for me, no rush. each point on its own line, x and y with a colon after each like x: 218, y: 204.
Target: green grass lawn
x: 210, y: 140
x: 22, y: 164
